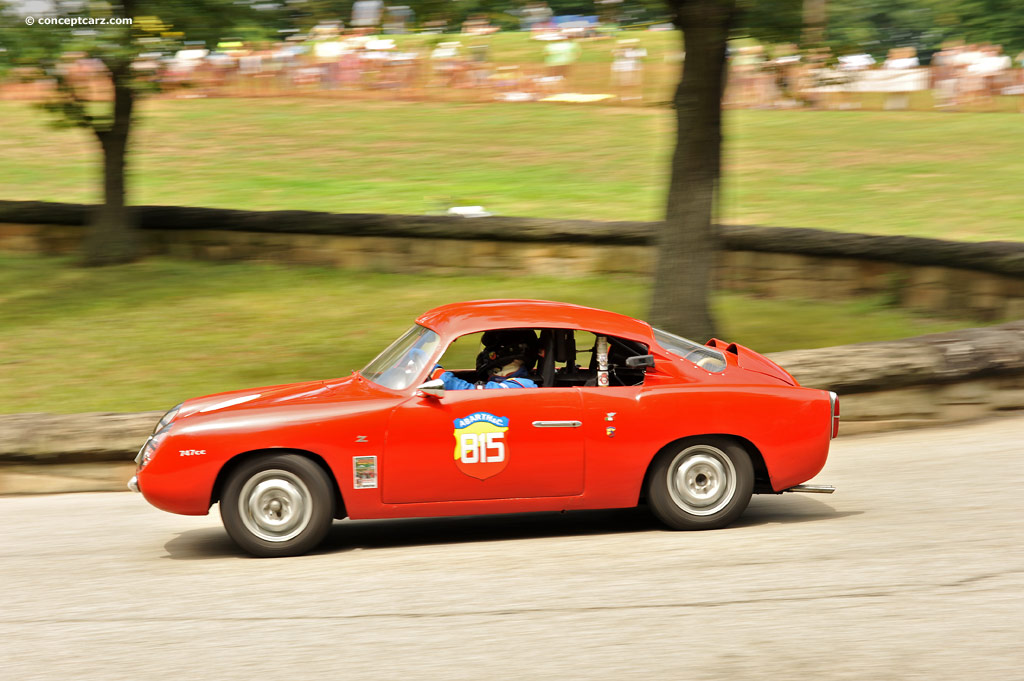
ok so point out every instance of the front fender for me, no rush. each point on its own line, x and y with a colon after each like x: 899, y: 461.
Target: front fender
x: 183, y: 473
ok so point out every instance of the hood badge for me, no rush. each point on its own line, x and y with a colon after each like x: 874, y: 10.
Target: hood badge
x: 610, y: 416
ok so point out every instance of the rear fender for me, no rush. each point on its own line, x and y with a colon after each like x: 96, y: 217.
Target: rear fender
x: 762, y: 482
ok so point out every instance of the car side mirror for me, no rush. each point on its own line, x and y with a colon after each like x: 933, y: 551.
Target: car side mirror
x: 640, y: 361
x: 434, y: 389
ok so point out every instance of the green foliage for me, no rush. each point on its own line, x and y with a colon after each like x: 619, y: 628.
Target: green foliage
x: 875, y: 26
x: 1000, y: 22
x: 158, y: 29
x: 770, y: 21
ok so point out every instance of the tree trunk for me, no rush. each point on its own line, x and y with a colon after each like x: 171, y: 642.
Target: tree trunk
x: 815, y: 19
x: 686, y: 241
x: 113, y: 238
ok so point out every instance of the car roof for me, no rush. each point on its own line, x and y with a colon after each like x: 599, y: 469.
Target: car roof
x: 459, y: 319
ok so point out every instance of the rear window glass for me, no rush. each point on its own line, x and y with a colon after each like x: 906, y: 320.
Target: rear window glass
x: 706, y: 358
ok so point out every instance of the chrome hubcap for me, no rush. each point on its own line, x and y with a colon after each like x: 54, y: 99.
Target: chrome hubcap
x: 275, y: 505
x: 701, y: 480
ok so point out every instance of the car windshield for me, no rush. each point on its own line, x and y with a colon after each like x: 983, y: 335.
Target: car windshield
x: 706, y: 358
x: 399, y: 365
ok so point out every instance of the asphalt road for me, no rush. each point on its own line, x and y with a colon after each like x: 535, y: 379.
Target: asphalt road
x: 914, y: 569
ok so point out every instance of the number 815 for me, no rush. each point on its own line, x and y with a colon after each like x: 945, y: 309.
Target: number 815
x: 482, y: 447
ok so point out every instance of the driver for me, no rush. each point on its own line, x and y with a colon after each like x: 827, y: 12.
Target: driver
x: 506, y: 361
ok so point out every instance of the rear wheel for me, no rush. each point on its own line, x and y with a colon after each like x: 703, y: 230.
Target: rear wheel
x: 278, y: 505
x: 701, y: 485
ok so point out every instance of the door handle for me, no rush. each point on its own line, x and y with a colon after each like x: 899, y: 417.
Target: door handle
x: 557, y: 424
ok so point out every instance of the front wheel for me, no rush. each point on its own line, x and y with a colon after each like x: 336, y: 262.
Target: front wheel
x: 701, y: 485
x: 278, y: 505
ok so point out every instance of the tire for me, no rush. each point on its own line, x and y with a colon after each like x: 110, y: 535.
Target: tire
x: 702, y: 484
x: 277, y: 505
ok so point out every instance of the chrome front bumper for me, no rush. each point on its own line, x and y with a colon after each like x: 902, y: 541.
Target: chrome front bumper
x: 133, y: 484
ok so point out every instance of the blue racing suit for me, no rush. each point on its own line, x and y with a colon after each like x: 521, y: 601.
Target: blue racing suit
x: 516, y: 379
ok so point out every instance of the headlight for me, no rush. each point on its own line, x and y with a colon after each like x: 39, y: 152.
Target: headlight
x: 166, y: 419
x: 152, y: 443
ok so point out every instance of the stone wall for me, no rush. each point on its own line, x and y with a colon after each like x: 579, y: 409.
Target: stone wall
x: 55, y: 453
x: 951, y: 291
x: 954, y: 287
x: 921, y: 381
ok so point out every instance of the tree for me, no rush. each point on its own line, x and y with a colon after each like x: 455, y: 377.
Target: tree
x: 875, y: 26
x: 686, y: 243
x: 1000, y: 22
x: 115, y: 35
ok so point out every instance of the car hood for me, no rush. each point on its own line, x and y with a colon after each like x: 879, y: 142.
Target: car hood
x: 273, y: 395
x: 278, y: 406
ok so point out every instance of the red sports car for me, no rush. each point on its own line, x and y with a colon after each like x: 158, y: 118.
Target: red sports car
x: 607, y: 412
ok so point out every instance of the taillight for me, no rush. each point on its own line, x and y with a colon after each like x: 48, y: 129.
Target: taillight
x: 834, y: 399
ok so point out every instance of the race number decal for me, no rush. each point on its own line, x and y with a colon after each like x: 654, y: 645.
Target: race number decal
x: 480, y: 447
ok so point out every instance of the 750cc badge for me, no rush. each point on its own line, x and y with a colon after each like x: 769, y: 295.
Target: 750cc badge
x: 480, y: 447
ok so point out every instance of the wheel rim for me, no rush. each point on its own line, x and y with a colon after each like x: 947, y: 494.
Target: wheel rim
x: 275, y: 505
x: 702, y: 480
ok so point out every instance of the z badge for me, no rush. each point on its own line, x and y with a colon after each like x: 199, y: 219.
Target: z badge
x: 480, y: 448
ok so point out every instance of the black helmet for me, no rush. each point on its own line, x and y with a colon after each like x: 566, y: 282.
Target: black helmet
x: 506, y: 345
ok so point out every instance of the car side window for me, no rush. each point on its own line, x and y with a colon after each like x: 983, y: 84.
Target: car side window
x: 460, y: 356
x: 575, y: 360
x: 567, y: 358
x: 619, y: 350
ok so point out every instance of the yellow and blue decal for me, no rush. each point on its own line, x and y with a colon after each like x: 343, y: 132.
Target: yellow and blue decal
x: 481, y: 450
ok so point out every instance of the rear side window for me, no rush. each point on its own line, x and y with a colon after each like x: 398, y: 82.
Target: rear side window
x: 706, y: 358
x: 619, y: 350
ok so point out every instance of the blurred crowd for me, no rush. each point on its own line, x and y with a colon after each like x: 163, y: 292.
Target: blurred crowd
x: 331, y: 58
x: 958, y: 75
x: 574, y: 58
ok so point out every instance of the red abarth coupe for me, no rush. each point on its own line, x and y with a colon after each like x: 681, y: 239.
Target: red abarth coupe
x: 620, y: 413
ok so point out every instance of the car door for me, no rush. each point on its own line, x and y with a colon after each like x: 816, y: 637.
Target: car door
x: 616, y: 429
x: 620, y: 433
x: 484, y: 444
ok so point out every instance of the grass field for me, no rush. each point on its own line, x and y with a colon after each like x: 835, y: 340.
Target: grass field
x: 147, y: 335
x: 956, y: 176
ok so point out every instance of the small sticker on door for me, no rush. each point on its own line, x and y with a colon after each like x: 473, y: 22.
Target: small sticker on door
x: 364, y: 472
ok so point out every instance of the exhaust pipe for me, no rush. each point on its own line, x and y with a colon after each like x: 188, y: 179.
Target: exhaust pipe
x: 812, y: 489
